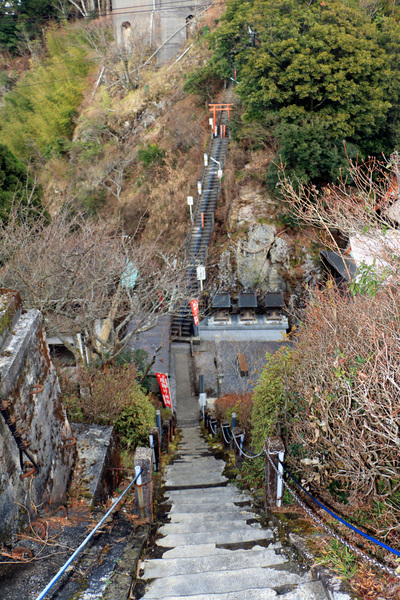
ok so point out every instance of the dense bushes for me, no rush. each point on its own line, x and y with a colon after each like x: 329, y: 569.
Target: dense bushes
x: 16, y: 186
x: 269, y: 398
x: 110, y: 395
x: 241, y: 404
x: 334, y: 399
x: 38, y: 113
x: 313, y: 74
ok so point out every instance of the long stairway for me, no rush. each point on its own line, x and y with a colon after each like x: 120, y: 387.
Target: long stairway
x: 215, y: 548
x: 203, y: 223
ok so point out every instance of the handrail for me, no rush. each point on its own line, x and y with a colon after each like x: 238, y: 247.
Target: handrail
x: 357, y: 551
x: 85, y: 541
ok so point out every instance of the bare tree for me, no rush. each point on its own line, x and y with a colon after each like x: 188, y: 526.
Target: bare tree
x: 362, y: 200
x: 88, y: 8
x: 122, y: 62
x: 91, y: 282
x: 365, y: 202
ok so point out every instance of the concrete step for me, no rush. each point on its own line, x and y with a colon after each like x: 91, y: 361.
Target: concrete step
x: 212, y: 508
x: 224, y: 494
x: 308, y: 591
x: 230, y: 516
x: 222, y: 582
x: 214, y: 546
x: 202, y: 550
x: 239, y: 535
x: 204, y: 526
x: 223, y: 561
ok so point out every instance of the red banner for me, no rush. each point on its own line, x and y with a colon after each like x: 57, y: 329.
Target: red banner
x: 195, y: 310
x: 163, y: 383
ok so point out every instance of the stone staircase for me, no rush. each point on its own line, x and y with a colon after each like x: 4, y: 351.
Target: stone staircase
x: 203, y: 223
x: 214, y: 547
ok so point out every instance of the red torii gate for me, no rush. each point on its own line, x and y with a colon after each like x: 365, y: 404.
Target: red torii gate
x: 219, y: 108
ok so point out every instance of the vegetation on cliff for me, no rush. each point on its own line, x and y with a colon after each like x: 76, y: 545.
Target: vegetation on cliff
x: 319, y: 77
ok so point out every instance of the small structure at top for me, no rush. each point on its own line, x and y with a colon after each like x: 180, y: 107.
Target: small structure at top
x: 160, y: 23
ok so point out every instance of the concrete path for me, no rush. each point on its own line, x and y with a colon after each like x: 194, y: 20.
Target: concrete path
x: 215, y: 548
x: 187, y: 404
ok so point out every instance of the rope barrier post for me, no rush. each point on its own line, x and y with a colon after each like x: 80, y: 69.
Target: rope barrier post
x: 237, y: 433
x: 144, y: 484
x: 207, y: 420
x: 234, y: 420
x: 165, y: 435
x: 226, y: 442
x: 174, y: 423
x: 139, y: 490
x: 155, y: 433
x: 158, y: 424
x: 273, y: 481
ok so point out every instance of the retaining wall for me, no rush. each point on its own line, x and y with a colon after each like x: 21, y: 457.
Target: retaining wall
x: 30, y: 396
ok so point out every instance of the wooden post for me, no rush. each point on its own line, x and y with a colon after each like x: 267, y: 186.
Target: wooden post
x: 144, y: 493
x: 274, y: 448
x: 165, y: 437
x: 225, y: 425
x: 155, y: 432
x: 237, y: 432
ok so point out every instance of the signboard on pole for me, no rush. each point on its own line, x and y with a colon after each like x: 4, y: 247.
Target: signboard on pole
x: 164, y: 387
x: 195, y: 310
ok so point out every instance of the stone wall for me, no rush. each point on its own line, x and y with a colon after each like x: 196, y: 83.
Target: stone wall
x: 154, y: 22
x: 32, y: 409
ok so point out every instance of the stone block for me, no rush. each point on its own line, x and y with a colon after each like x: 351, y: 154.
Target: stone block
x: 31, y: 392
x: 144, y: 493
x: 98, y: 460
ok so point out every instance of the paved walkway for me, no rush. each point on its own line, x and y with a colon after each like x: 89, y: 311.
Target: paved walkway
x: 215, y: 548
x: 187, y: 405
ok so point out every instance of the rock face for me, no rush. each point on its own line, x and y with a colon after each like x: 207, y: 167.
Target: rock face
x: 260, y: 259
x: 32, y: 410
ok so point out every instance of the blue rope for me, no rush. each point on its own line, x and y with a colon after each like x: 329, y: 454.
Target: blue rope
x: 85, y: 541
x: 214, y: 430
x: 364, y: 535
x: 252, y: 453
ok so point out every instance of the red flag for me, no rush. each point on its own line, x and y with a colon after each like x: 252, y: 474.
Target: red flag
x: 195, y: 310
x: 163, y: 383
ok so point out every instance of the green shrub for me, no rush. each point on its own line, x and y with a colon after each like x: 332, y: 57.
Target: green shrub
x: 135, y: 419
x: 269, y: 398
x: 39, y: 112
x: 110, y: 395
x: 151, y: 154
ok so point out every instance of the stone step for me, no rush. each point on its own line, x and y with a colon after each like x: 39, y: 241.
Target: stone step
x: 224, y: 582
x: 192, y: 479
x: 212, y: 550
x: 228, y: 515
x: 239, y: 535
x: 229, y: 489
x: 308, y: 591
x: 265, y: 594
x: 205, y: 495
x: 204, y: 526
x: 209, y: 507
x: 226, y: 560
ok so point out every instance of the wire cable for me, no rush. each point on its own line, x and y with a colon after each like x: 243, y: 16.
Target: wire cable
x: 328, y: 530
x: 132, y: 9
x: 335, y: 516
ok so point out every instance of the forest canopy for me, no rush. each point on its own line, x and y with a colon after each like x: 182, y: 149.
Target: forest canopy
x: 321, y: 76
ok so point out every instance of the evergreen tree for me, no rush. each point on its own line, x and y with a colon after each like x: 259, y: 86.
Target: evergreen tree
x: 15, y: 184
x: 318, y: 74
